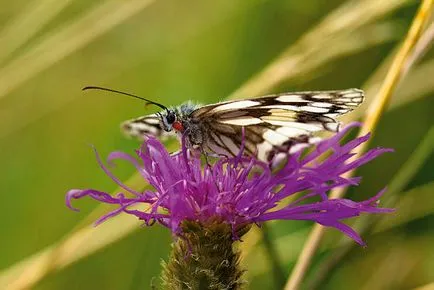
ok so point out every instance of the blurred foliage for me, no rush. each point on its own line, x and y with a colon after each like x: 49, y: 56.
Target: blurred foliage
x: 173, y: 51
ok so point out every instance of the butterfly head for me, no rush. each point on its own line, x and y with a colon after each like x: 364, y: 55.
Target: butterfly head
x: 170, y: 121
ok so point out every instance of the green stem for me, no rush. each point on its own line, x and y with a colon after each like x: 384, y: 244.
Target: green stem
x: 204, y: 258
x: 279, y: 275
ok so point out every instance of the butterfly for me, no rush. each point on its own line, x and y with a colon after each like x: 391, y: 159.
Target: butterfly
x: 265, y: 125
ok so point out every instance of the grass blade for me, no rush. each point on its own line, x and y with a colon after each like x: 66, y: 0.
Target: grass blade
x: 34, y: 17
x: 375, y: 111
x: 67, y: 40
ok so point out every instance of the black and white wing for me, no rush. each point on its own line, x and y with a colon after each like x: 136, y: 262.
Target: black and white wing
x: 145, y: 126
x: 274, y: 123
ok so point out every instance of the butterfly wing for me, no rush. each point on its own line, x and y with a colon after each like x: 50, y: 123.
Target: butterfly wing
x: 274, y: 123
x: 145, y: 126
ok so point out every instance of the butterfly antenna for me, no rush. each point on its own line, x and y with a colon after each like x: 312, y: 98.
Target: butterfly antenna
x: 124, y: 93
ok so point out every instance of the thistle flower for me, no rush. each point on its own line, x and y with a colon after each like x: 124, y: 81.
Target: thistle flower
x: 239, y: 191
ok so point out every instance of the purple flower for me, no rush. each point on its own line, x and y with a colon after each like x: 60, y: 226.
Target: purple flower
x: 241, y: 190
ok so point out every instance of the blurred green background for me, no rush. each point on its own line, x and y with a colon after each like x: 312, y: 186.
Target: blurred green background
x: 172, y: 51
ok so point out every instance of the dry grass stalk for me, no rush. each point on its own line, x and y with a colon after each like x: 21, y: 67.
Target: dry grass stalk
x: 374, y: 114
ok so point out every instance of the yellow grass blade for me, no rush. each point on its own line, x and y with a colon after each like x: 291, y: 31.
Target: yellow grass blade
x: 12, y: 114
x: 349, y: 17
x: 67, y: 40
x: 374, y: 113
x: 407, y: 204
x: 58, y: 256
x: 33, y: 17
x: 429, y: 286
x: 81, y: 242
x: 289, y: 246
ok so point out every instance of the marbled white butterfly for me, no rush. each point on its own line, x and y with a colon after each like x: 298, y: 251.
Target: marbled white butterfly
x: 272, y: 124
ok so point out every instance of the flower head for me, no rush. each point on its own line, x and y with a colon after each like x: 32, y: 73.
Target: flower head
x: 241, y: 190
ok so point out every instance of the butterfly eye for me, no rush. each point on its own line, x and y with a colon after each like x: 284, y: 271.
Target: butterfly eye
x: 170, y: 117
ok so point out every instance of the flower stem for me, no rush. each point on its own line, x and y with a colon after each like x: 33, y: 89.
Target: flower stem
x: 203, y: 258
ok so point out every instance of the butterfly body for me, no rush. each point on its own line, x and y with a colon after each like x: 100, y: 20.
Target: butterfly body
x: 271, y: 123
